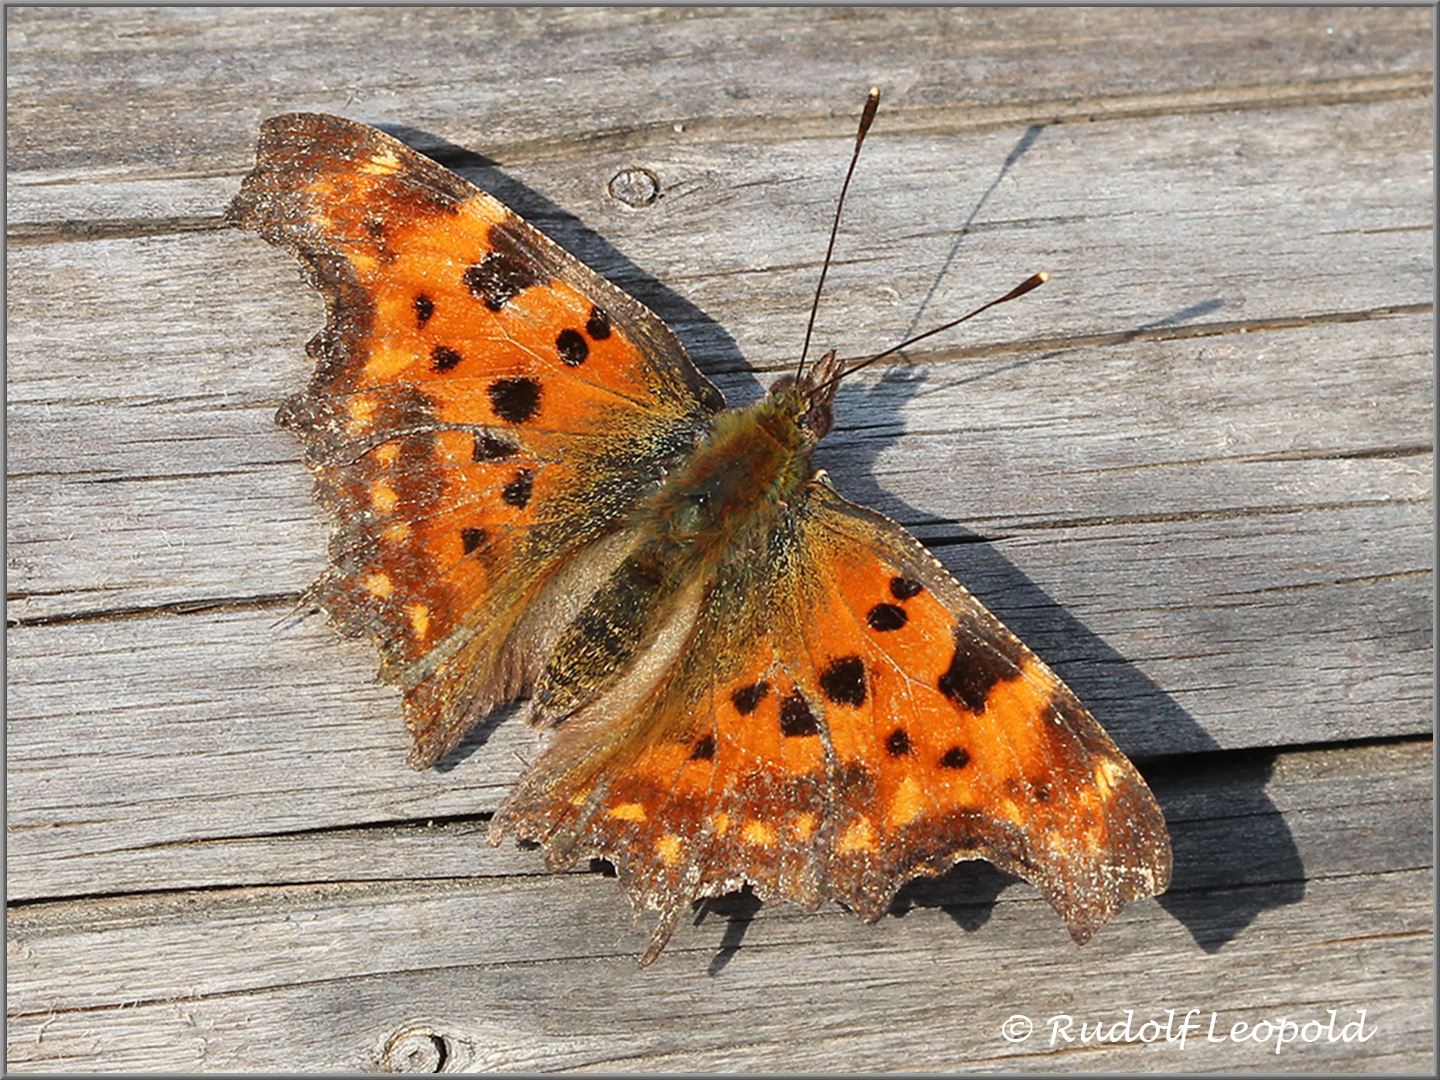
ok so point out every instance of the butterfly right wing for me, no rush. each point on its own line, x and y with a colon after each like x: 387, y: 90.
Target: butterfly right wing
x: 484, y: 413
x: 842, y: 717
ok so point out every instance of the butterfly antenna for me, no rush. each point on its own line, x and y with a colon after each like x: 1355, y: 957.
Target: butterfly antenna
x: 1032, y: 282
x: 867, y: 117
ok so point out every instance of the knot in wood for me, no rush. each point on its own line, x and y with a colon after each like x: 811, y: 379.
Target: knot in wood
x: 420, y: 1046
x: 635, y: 187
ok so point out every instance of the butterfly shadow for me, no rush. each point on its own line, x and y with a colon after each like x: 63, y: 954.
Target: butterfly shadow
x: 1234, y: 854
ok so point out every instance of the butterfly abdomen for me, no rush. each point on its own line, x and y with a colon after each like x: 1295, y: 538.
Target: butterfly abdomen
x: 725, y: 498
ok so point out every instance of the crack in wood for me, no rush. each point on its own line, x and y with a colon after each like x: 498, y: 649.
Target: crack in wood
x: 259, y: 601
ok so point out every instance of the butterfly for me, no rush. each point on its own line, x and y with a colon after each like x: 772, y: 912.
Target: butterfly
x: 747, y: 679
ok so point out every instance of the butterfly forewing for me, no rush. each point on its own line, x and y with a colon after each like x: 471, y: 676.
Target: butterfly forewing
x: 484, y: 407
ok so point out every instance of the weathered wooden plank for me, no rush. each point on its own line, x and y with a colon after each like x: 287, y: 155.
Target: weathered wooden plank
x: 128, y: 736
x: 196, y: 499
x: 740, y: 226
x: 184, y: 972
x: 539, y: 79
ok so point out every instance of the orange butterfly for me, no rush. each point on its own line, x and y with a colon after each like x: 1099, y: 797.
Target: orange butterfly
x: 750, y: 679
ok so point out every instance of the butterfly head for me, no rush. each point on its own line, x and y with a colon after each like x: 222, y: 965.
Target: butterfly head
x: 808, y: 396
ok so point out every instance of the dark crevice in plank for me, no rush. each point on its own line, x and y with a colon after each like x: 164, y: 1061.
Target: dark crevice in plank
x: 35, y: 912
x: 97, y: 476
x: 1363, y: 579
x: 885, y: 430
x: 1212, y: 604
x: 1228, y: 514
x: 430, y: 821
x: 244, y: 470
x: 1364, y: 938
x: 240, y: 890
x: 1363, y: 453
x: 259, y: 601
x: 84, y: 230
x: 1207, y: 762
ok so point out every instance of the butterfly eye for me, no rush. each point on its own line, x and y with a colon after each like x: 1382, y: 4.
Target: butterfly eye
x: 818, y: 419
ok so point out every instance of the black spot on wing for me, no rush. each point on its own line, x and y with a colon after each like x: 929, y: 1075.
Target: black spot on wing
x: 843, y: 681
x: 897, y: 743
x: 503, y: 273
x: 796, y: 719
x: 517, y: 493
x: 444, y: 358
x: 957, y: 757
x: 515, y: 400
x: 903, y: 588
x: 886, y: 617
x: 977, y: 664
x: 598, y: 325
x: 704, y: 749
x: 472, y: 538
x: 424, y: 308
x: 489, y: 448
x: 571, y: 346
x: 748, y: 698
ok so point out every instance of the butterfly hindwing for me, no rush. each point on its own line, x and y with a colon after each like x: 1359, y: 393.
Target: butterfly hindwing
x: 485, y: 408
x: 962, y: 742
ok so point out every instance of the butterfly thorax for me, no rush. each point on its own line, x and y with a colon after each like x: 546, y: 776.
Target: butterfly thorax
x: 741, y: 474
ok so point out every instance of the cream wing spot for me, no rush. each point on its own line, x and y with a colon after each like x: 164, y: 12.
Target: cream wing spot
x: 670, y: 848
x: 758, y: 833
x: 383, y: 497
x: 419, y: 619
x: 1107, y: 777
x: 859, y: 835
x: 361, y: 411
x: 907, y: 803
x: 387, y: 362
x: 383, y: 163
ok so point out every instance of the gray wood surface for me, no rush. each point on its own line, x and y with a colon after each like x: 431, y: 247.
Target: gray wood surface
x: 1194, y: 472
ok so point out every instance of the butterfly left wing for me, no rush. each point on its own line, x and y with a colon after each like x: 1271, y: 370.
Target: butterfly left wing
x: 846, y: 717
x: 484, y: 413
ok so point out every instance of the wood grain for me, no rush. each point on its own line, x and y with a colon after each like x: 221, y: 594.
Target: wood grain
x: 1194, y: 472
